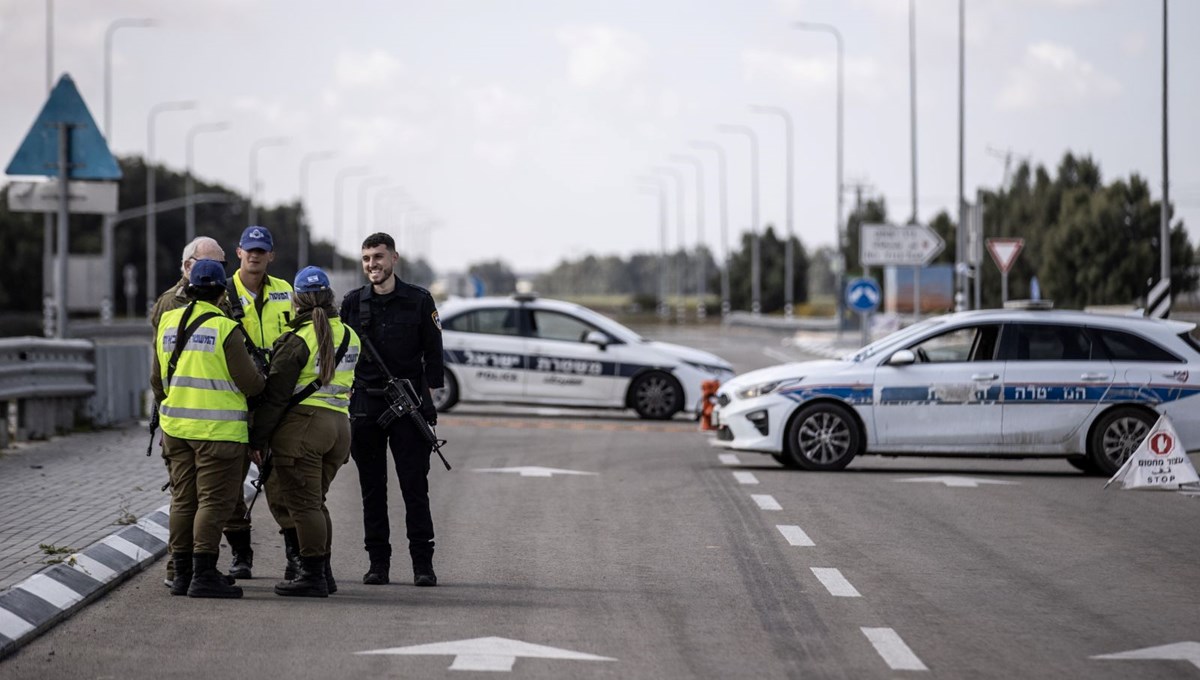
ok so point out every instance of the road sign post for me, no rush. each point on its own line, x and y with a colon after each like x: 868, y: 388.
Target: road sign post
x: 862, y: 295
x: 1004, y: 253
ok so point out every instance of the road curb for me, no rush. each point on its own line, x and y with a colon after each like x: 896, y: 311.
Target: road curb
x: 57, y: 592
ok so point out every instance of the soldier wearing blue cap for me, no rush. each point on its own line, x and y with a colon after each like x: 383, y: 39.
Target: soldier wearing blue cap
x: 262, y: 304
x: 304, y: 421
x: 201, y: 378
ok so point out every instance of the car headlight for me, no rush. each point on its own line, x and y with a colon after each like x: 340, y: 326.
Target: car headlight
x: 765, y: 388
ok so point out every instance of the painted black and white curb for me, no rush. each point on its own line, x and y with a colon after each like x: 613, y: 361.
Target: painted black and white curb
x: 39, y: 602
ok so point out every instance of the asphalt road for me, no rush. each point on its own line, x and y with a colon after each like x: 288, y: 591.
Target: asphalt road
x: 668, y: 561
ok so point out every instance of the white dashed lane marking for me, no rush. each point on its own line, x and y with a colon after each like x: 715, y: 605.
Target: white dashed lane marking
x: 766, y: 501
x: 795, y: 535
x: 897, y: 655
x: 834, y: 582
x: 745, y: 478
x: 729, y: 459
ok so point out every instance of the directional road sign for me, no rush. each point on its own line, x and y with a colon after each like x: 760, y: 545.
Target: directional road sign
x: 912, y: 246
x: 494, y: 654
x: 98, y: 198
x: 862, y: 295
x: 1005, y: 251
x: 38, y: 153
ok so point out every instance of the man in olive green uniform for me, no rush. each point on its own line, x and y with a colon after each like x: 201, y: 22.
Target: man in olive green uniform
x: 200, y: 248
x: 262, y: 304
x: 304, y: 418
x: 201, y: 391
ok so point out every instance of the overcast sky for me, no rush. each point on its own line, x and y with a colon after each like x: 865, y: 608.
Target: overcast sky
x: 523, y: 125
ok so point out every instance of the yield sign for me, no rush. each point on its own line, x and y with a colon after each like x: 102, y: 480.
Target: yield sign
x: 1179, y: 651
x: 1005, y: 251
x: 534, y: 471
x: 949, y: 480
x: 488, y: 654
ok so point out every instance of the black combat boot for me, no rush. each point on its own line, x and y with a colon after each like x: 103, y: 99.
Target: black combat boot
x: 183, y: 573
x: 377, y: 575
x: 169, y: 581
x: 423, y: 571
x: 243, y: 554
x: 330, y: 584
x: 291, y: 550
x: 207, y: 581
x: 309, y: 583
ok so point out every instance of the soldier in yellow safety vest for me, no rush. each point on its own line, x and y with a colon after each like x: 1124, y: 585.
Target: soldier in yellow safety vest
x: 202, y: 375
x: 304, y: 420
x: 262, y: 304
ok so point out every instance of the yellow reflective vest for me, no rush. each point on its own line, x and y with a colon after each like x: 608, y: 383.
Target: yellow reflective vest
x: 202, y: 403
x: 263, y: 328
x: 335, y: 396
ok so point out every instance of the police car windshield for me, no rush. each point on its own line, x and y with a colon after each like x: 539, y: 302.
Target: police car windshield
x: 899, y: 337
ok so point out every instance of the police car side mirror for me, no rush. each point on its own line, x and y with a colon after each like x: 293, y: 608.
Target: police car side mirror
x: 597, y: 338
x: 902, y: 357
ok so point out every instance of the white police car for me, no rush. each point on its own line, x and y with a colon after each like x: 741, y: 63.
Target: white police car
x: 524, y: 349
x: 1012, y: 383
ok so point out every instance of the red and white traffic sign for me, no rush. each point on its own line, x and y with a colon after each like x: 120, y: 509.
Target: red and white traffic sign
x: 1005, y: 251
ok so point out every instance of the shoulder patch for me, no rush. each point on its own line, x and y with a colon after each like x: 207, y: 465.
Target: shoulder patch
x: 437, y: 320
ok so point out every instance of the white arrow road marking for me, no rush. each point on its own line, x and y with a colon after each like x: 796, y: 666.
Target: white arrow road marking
x: 488, y: 654
x: 766, y: 501
x: 534, y: 471
x: 897, y: 655
x: 745, y: 478
x: 834, y: 582
x: 795, y: 535
x: 949, y: 480
x: 1179, y: 651
x: 729, y: 459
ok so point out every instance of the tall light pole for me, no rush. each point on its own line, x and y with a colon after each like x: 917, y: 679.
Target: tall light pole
x: 257, y: 146
x: 190, y: 189
x: 302, y: 233
x: 840, y: 260
x: 681, y: 258
x: 755, y: 249
x: 789, y: 262
x: 701, y: 252
x: 723, y: 202
x: 382, y: 197
x: 48, y: 279
x: 960, y: 245
x: 657, y: 187
x: 108, y: 41
x: 363, y: 187
x: 338, y: 181
x: 151, y: 198
x: 912, y: 117
x: 1164, y: 218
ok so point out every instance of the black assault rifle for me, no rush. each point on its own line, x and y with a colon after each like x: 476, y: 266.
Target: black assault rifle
x: 264, y: 472
x: 404, y: 402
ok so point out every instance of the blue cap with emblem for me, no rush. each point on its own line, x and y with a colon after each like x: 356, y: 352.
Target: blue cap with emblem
x: 310, y: 280
x: 207, y: 273
x: 256, y: 238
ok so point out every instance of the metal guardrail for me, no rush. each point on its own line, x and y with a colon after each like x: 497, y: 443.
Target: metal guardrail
x: 51, y: 386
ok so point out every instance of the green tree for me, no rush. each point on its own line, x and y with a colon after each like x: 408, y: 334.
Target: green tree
x: 771, y: 255
x: 497, y: 277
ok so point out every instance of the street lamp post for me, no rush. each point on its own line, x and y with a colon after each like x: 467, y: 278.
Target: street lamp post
x: 680, y: 306
x: 789, y: 262
x: 257, y: 146
x: 302, y: 233
x: 839, y: 241
x: 724, y: 210
x: 151, y: 198
x: 338, y: 181
x: 363, y: 187
x: 701, y: 255
x: 190, y: 190
x: 656, y: 186
x: 755, y: 250
x: 382, y: 197
x: 108, y: 42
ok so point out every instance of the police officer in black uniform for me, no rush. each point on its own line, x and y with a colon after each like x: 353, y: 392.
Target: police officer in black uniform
x: 402, y: 324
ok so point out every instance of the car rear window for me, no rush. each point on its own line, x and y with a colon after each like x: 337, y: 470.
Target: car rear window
x: 1049, y: 342
x: 1122, y: 346
x: 1191, y: 340
x: 492, y: 321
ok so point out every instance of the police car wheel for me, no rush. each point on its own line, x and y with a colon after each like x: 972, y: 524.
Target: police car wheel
x: 785, y: 460
x: 445, y: 398
x: 823, y: 437
x: 1116, y: 435
x: 1084, y: 464
x: 656, y: 396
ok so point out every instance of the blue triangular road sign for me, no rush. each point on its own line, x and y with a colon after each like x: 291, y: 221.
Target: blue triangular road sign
x: 38, y: 154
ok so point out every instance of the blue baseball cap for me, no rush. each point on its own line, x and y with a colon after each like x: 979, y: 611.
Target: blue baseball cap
x: 310, y: 280
x: 256, y: 237
x: 207, y: 273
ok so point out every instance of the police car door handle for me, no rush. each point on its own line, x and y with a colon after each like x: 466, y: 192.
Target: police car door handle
x: 985, y: 376
x: 1093, y: 377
